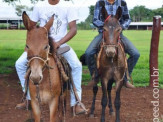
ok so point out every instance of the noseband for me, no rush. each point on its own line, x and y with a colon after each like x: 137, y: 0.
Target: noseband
x: 39, y: 58
x: 105, y: 46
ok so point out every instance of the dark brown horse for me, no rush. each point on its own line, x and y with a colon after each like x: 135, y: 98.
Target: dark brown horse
x: 44, y: 83
x: 111, y: 64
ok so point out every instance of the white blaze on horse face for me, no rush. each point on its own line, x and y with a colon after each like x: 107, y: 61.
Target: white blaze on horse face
x: 36, y: 73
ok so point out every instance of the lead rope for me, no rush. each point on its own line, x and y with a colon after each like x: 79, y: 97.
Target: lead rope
x: 125, y: 60
x: 99, y: 55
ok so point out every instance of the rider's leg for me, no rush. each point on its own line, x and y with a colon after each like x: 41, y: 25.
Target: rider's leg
x: 91, y: 51
x: 21, y: 67
x: 133, y: 55
x: 76, y: 68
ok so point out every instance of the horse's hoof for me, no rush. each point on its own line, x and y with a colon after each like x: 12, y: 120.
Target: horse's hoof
x: 91, y: 115
x: 112, y: 113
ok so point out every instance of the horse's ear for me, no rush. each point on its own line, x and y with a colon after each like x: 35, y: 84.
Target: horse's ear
x: 49, y: 23
x: 118, y: 13
x: 104, y: 12
x: 26, y: 21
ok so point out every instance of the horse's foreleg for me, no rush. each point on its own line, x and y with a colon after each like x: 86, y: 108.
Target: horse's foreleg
x: 95, y: 90
x: 117, y: 104
x: 104, y: 100
x: 53, y: 106
x: 36, y: 110
x: 109, y: 98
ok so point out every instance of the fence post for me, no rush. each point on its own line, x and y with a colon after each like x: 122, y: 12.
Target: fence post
x: 154, y: 71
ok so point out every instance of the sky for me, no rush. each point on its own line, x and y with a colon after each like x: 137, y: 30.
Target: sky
x: 83, y: 10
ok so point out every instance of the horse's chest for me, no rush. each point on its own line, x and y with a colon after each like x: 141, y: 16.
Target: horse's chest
x: 45, y: 96
x: 46, y: 92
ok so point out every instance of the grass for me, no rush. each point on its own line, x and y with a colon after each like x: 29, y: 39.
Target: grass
x: 12, y: 44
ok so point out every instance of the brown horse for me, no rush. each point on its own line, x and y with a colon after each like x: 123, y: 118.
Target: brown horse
x: 44, y: 83
x: 111, y: 64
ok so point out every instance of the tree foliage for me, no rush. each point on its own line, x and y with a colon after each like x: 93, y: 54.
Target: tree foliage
x: 141, y: 13
x: 138, y: 13
x: 158, y: 11
x: 88, y: 21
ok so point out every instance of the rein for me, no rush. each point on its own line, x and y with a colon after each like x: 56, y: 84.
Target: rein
x: 107, y: 18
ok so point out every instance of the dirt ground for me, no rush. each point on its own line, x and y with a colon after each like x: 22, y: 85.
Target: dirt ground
x: 136, y: 104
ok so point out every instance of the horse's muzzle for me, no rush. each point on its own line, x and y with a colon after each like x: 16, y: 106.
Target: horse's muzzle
x: 110, y: 52
x: 36, y: 80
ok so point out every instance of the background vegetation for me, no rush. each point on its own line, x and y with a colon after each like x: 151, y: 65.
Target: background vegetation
x: 138, y: 14
x: 12, y: 44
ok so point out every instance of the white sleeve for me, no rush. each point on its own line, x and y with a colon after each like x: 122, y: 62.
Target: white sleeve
x: 72, y: 14
x: 35, y: 14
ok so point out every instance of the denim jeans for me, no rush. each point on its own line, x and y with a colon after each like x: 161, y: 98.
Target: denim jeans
x: 129, y: 49
x: 91, y: 51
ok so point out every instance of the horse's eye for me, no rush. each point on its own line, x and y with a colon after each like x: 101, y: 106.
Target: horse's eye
x: 27, y: 47
x: 46, y: 47
x: 104, y: 29
x: 119, y: 29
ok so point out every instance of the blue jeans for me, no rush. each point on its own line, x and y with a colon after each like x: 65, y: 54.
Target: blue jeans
x: 129, y: 49
x: 91, y: 51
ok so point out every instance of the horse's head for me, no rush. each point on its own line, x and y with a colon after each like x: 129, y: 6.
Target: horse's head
x: 37, y: 47
x: 112, y: 30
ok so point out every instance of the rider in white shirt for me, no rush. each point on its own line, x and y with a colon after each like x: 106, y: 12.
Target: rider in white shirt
x: 64, y: 15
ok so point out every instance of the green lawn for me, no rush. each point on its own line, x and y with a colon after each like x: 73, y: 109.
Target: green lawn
x: 12, y: 45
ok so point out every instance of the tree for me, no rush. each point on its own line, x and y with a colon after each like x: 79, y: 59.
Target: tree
x: 140, y: 13
x: 89, y: 19
x: 158, y: 11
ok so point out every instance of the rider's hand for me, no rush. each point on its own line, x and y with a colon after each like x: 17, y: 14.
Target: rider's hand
x: 56, y: 45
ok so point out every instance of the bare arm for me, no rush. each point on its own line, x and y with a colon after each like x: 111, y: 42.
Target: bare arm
x: 68, y: 36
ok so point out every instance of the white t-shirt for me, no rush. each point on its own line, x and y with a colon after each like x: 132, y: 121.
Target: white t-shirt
x: 64, y: 13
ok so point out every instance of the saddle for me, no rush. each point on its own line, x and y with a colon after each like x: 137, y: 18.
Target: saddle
x: 62, y: 50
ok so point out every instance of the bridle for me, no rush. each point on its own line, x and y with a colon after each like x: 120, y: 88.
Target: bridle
x: 104, y: 45
x: 44, y: 60
x: 39, y: 58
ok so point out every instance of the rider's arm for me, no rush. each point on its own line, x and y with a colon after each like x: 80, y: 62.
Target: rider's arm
x: 125, y: 16
x: 72, y: 32
x: 96, y: 18
x: 72, y: 17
